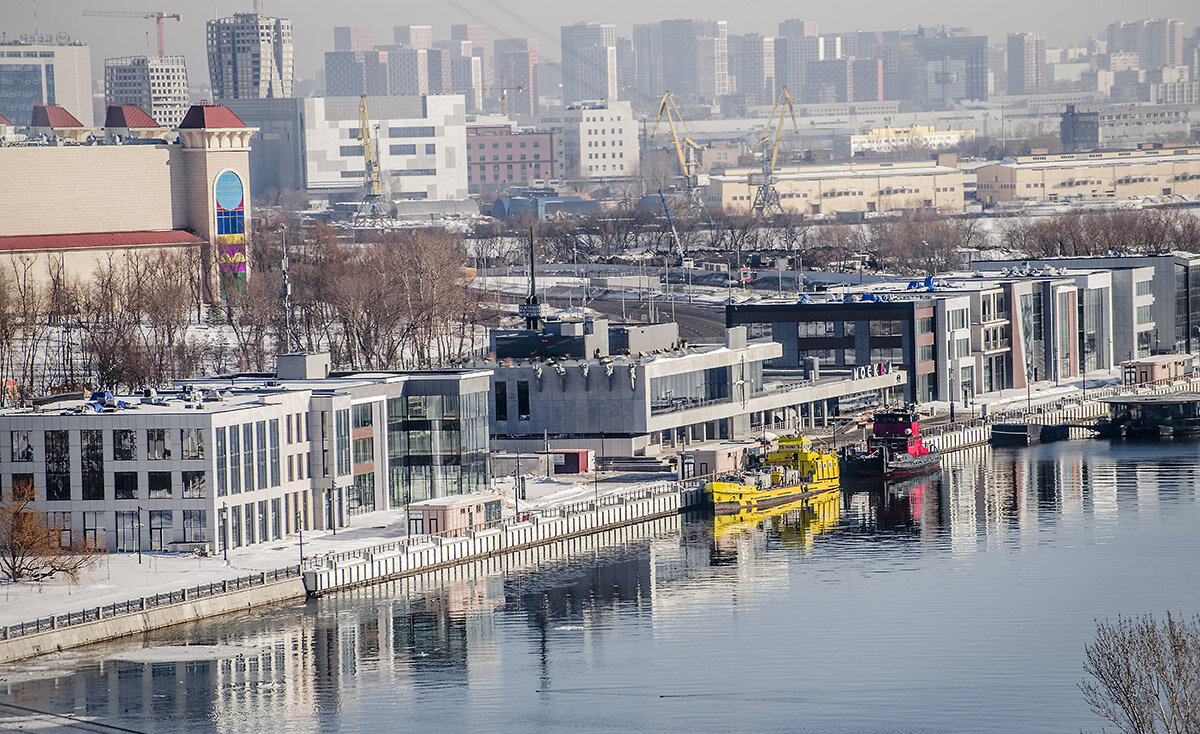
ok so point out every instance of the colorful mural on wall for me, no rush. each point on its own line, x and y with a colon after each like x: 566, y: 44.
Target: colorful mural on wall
x: 231, y: 233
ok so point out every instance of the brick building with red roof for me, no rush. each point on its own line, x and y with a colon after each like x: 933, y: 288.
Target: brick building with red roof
x: 81, y: 205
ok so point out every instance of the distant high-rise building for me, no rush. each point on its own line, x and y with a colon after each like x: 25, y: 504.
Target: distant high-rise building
x: 1026, y: 63
x: 515, y: 82
x: 440, y: 81
x: 647, y: 63
x: 793, y: 54
x: 353, y: 38
x: 1157, y: 42
x: 867, y: 80
x: 408, y: 70
x: 351, y: 73
x: 57, y: 74
x: 250, y: 56
x: 480, y: 37
x: 752, y: 61
x: 413, y: 36
x: 626, y: 69
x: 156, y: 84
x: 949, y: 65
x: 827, y: 81
x: 466, y: 78
x: 589, y: 61
x: 796, y: 28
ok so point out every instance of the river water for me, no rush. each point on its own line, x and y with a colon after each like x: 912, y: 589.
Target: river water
x: 954, y: 604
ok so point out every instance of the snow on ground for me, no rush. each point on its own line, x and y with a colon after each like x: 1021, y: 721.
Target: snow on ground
x: 119, y: 577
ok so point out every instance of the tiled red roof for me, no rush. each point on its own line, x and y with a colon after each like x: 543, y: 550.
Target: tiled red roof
x: 96, y: 240
x: 209, y: 115
x: 51, y: 115
x: 4, y: 121
x: 127, y: 115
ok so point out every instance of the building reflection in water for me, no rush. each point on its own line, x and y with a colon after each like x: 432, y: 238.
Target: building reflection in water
x: 308, y: 662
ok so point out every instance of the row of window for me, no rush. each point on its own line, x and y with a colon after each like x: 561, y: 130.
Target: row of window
x: 57, y: 446
x: 483, y: 146
x: 248, y: 457
x: 126, y: 485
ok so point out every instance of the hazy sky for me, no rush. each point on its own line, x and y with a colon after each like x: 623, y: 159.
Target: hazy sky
x: 1063, y: 21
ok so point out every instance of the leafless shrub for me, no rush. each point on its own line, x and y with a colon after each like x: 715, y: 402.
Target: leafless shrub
x: 1144, y: 675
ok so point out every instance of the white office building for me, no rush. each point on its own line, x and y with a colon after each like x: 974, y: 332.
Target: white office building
x: 243, y: 460
x: 156, y: 84
x: 312, y: 145
x: 598, y: 139
x: 45, y: 73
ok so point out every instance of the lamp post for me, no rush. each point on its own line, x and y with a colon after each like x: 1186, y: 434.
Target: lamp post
x: 300, y: 528
x: 139, y: 534
x: 951, y: 391
x: 225, y: 532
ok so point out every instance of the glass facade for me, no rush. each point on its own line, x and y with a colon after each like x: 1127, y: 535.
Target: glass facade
x: 689, y: 390
x: 437, y: 446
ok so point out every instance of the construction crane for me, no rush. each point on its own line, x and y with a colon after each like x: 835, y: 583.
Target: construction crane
x: 157, y: 15
x: 685, y: 147
x: 371, y: 210
x: 766, y: 199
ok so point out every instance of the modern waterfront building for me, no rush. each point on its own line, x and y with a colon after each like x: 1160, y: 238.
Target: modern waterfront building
x: 241, y: 460
x: 960, y: 336
x: 250, y: 56
x: 599, y: 139
x: 826, y: 189
x: 1113, y: 174
x: 156, y: 84
x: 498, y: 155
x: 46, y: 74
x: 635, y: 390
x: 1159, y: 294
x: 312, y: 145
x: 132, y: 200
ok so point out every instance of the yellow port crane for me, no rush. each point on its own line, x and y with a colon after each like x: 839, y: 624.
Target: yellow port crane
x: 371, y: 210
x: 766, y: 198
x: 685, y: 148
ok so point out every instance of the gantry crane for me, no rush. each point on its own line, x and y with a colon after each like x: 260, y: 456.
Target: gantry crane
x: 371, y: 211
x: 157, y: 15
x: 766, y: 199
x: 685, y: 148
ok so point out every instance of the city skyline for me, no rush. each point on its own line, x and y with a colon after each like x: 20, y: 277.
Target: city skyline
x: 541, y: 20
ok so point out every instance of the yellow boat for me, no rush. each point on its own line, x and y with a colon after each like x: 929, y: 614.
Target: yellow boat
x: 793, y: 471
x: 796, y: 522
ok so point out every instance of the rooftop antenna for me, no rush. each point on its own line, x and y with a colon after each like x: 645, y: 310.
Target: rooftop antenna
x: 531, y: 310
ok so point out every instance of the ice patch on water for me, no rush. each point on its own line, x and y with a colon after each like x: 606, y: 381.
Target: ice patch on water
x: 182, y: 653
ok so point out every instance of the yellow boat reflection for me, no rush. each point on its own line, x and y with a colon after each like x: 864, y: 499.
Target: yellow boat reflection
x: 796, y: 523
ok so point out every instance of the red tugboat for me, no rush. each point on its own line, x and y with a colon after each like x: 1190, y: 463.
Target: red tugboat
x: 895, y: 449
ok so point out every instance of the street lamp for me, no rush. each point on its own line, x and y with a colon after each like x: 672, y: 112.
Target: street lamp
x: 139, y: 534
x: 225, y: 532
x: 300, y: 528
x: 951, y: 391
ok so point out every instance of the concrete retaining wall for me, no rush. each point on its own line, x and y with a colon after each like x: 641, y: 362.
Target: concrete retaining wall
x: 369, y: 567
x: 152, y: 619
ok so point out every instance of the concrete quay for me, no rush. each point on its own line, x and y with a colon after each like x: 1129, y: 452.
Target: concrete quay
x: 399, y: 560
x: 125, y: 625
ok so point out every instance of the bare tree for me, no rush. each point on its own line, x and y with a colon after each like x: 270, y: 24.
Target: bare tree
x: 33, y: 548
x: 1144, y: 676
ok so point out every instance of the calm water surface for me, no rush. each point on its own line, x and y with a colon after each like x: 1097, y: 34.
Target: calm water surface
x: 957, y: 604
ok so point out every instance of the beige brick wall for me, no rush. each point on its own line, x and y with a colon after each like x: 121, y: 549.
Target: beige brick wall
x: 85, y: 188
